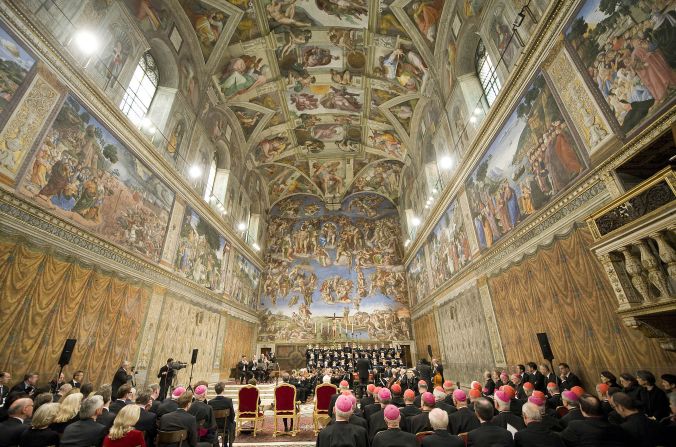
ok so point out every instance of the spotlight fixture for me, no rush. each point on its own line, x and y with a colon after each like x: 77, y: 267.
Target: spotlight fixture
x: 434, y: 190
x: 472, y: 119
x: 478, y: 110
x: 256, y: 246
x: 407, y: 243
x: 446, y: 162
x: 415, y: 221
x: 195, y: 171
x: 241, y: 226
x: 86, y: 41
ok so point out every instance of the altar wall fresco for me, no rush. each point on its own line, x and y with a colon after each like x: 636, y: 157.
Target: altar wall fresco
x: 343, y: 263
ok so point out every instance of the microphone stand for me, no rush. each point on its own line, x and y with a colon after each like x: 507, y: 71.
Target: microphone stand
x: 192, y: 365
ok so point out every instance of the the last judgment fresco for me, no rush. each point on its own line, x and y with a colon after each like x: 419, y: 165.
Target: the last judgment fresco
x: 334, y: 274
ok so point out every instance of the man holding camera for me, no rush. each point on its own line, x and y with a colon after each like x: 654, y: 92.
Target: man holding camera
x: 166, y: 376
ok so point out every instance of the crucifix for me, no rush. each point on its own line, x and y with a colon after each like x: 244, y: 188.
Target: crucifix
x: 334, y: 318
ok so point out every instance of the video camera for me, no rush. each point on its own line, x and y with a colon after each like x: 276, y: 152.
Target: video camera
x: 177, y: 365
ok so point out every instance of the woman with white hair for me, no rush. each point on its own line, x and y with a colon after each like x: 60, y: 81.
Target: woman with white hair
x: 122, y: 433
x: 40, y: 435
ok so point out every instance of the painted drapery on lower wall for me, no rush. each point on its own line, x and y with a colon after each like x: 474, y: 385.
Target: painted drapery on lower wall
x: 465, y: 343
x: 45, y: 300
x: 334, y: 275
x: 239, y: 340
x: 425, y: 329
x: 562, y: 291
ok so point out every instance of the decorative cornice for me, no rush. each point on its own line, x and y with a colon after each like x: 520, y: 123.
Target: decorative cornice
x: 23, y: 219
x: 73, y: 76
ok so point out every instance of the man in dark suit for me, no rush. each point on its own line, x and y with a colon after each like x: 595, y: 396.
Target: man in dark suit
x: 368, y: 398
x: 441, y: 437
x: 166, y: 376
x: 535, y: 434
x: 5, y: 379
x: 122, y: 376
x: 243, y: 370
x: 535, y: 377
x: 87, y: 431
x: 593, y: 430
x: 12, y: 429
x: 363, y: 367
x: 106, y: 417
x: 147, y: 421
x: 28, y: 385
x: 425, y: 372
x: 547, y: 373
x: 76, y: 381
x: 641, y: 430
x: 571, y: 402
x: 393, y: 436
x: 155, y: 397
x: 567, y: 379
x: 181, y: 420
x: 487, y: 434
x: 221, y: 402
x: 463, y: 420
x: 123, y: 396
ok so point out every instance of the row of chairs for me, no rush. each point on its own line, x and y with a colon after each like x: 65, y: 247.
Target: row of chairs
x: 250, y: 410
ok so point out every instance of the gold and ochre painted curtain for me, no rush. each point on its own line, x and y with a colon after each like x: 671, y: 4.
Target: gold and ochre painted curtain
x: 45, y: 299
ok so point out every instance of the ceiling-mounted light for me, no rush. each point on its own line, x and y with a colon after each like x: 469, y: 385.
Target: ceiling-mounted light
x: 86, y: 41
x: 430, y: 198
x: 434, y: 190
x: 477, y: 110
x: 472, y: 119
x: 446, y: 162
x: 195, y: 171
x: 241, y: 226
x: 415, y: 221
x: 407, y: 243
x: 427, y: 206
x: 256, y: 246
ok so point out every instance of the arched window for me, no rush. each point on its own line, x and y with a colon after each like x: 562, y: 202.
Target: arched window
x: 485, y: 71
x: 141, y: 89
x: 211, y: 179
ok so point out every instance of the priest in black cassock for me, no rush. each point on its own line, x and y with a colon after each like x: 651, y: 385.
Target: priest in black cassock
x: 341, y: 433
x: 393, y: 436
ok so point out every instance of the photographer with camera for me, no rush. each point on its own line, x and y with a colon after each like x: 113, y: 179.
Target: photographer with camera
x: 166, y: 376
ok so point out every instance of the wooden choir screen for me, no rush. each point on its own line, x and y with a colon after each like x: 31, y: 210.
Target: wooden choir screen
x: 425, y: 329
x: 239, y: 340
x: 563, y: 291
x: 44, y: 300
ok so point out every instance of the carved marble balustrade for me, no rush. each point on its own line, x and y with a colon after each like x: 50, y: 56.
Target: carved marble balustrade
x: 635, y: 240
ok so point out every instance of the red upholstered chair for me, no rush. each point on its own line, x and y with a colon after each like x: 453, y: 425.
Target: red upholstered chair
x: 323, y: 394
x: 248, y: 409
x: 286, y: 407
